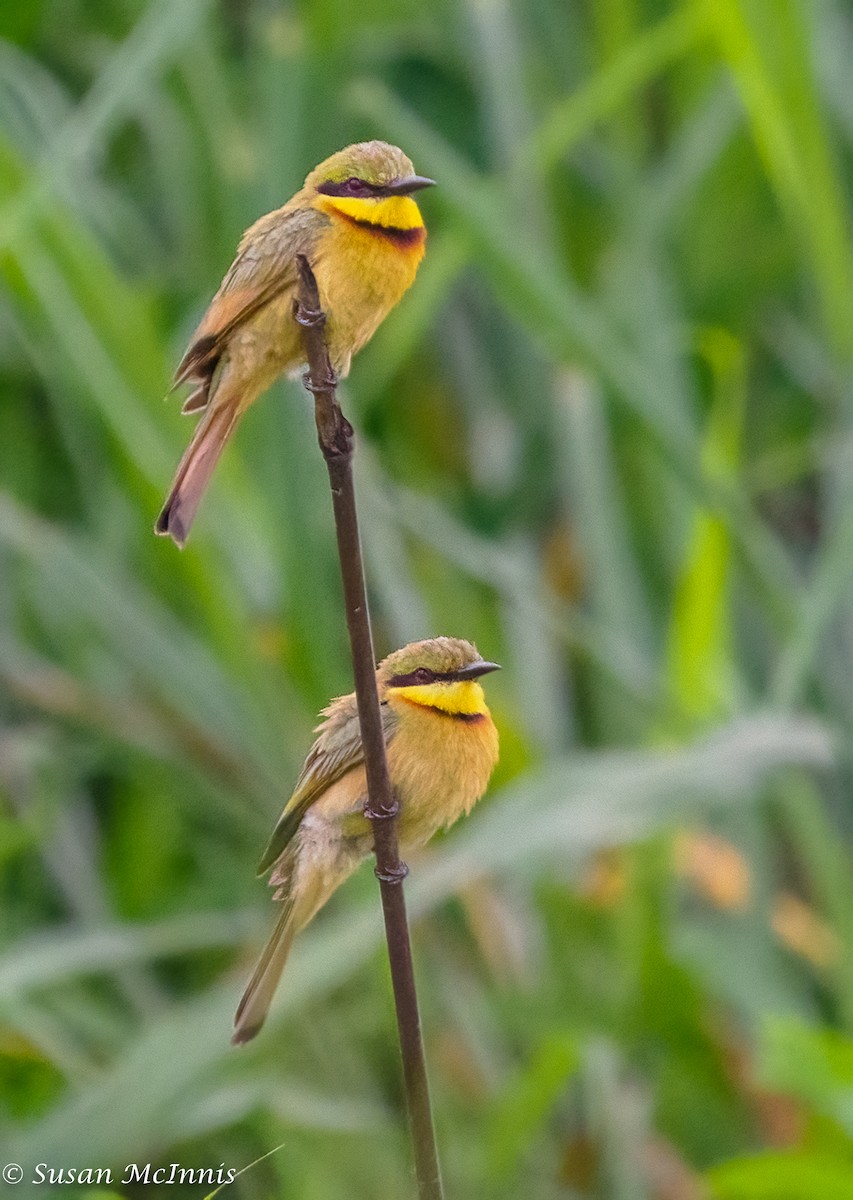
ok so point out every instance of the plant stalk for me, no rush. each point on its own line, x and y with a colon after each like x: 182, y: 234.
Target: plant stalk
x: 335, y: 436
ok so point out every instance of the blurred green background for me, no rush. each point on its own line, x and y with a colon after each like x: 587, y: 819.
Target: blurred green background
x: 607, y: 436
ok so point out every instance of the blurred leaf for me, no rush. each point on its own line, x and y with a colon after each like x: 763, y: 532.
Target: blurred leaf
x: 795, y: 1176
x: 771, y: 62
x: 814, y: 1064
x: 641, y: 60
x: 527, y: 1101
x: 701, y: 653
x: 56, y: 956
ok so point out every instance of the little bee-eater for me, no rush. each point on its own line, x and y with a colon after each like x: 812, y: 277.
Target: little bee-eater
x: 361, y: 231
x: 442, y: 746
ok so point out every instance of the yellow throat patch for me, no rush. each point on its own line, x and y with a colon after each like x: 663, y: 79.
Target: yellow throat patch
x: 392, y: 212
x: 465, y: 698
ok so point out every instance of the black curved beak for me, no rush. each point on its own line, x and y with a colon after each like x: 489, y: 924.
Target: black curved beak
x: 411, y: 183
x: 475, y: 669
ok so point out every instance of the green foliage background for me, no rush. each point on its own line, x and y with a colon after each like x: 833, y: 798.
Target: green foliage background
x: 607, y: 436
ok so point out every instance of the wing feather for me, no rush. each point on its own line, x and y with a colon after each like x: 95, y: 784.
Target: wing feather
x: 265, y: 267
x: 336, y: 751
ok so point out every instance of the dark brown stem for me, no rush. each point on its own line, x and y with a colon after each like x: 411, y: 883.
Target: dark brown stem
x: 335, y: 435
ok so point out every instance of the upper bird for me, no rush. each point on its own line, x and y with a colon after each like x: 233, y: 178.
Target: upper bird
x: 363, y: 234
x: 442, y: 748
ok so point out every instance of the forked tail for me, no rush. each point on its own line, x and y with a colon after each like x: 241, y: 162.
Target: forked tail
x: 194, y: 471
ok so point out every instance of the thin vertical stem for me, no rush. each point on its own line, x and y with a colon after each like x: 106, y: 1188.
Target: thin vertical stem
x: 335, y: 436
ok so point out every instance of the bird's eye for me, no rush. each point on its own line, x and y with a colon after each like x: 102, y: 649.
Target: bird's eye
x: 424, y: 675
x: 356, y: 186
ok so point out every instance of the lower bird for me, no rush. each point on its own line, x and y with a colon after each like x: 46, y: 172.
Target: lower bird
x: 357, y: 224
x: 442, y: 747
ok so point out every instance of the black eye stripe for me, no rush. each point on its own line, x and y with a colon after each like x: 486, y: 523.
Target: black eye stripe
x: 412, y: 678
x: 422, y: 676
x: 350, y: 187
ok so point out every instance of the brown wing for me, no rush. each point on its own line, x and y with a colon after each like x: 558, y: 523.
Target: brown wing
x: 337, y: 750
x: 264, y: 267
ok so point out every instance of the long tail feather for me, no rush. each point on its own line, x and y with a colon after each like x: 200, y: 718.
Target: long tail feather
x: 253, y: 1008
x: 194, y: 471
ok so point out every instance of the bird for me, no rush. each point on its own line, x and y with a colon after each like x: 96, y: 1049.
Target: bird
x: 442, y: 746
x: 355, y: 221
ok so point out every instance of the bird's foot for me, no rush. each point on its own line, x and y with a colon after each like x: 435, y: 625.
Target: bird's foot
x: 386, y: 812
x: 327, y: 384
x: 393, y: 874
x: 307, y: 315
